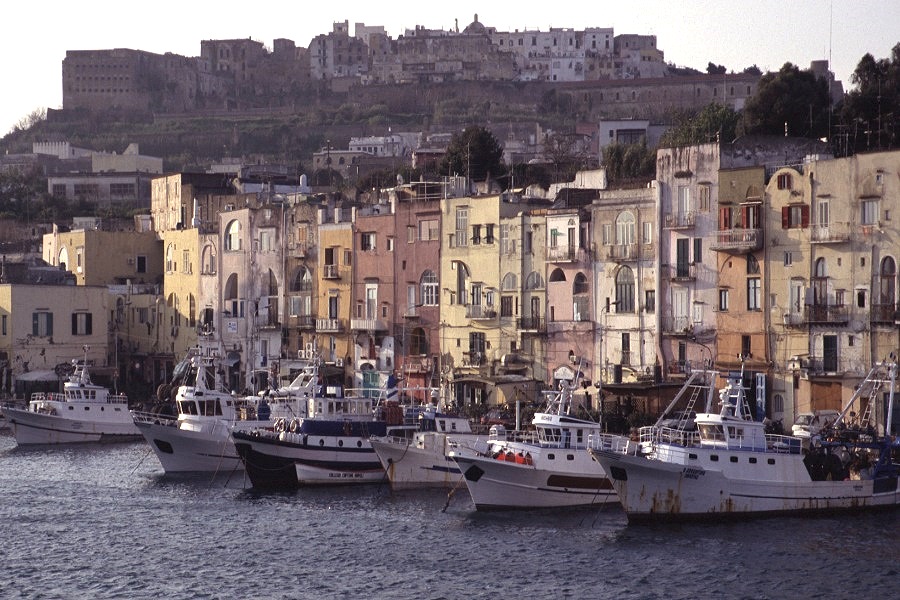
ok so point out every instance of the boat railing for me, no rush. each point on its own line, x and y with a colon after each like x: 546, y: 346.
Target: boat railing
x: 668, y: 435
x: 154, y: 418
x: 610, y: 442
x: 61, y: 397
x: 783, y: 444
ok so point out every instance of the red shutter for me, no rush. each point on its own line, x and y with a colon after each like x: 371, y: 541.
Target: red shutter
x: 785, y: 217
x: 724, y: 218
x: 804, y: 216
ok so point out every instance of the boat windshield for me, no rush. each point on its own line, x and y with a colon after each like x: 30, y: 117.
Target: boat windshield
x: 712, y: 433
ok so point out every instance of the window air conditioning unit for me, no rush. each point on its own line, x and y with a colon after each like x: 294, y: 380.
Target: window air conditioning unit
x: 339, y: 362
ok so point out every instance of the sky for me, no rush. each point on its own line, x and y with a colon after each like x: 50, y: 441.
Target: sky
x: 691, y: 33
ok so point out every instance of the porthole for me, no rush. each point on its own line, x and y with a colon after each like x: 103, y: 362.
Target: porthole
x: 341, y: 443
x: 321, y: 442
x: 714, y: 457
x: 734, y: 459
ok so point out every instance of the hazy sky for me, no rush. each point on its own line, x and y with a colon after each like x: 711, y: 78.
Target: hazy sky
x: 733, y: 33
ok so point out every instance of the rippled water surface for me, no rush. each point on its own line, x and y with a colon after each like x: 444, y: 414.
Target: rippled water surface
x: 104, y: 522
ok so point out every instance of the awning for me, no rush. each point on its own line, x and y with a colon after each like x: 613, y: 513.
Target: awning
x: 37, y: 376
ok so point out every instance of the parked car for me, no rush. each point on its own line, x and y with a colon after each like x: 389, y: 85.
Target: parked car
x: 808, y: 424
x: 498, y: 416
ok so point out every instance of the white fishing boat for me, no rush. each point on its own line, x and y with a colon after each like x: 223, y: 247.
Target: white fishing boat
x: 423, y: 460
x: 545, y: 468
x: 731, y: 468
x: 330, y: 445
x: 198, y: 438
x: 82, y: 412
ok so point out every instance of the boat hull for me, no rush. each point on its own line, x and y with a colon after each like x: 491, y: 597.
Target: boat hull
x: 33, y: 428
x: 182, y: 448
x: 499, y: 484
x: 652, y: 490
x: 422, y: 461
x: 289, y: 461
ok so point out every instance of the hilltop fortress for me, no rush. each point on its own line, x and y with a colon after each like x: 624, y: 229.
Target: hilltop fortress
x: 612, y: 76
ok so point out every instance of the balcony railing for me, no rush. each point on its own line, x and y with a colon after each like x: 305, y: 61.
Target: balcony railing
x: 824, y: 314
x: 304, y: 321
x: 537, y: 324
x: 368, y: 325
x: 330, y: 325
x: 330, y: 272
x: 479, y: 311
x: 567, y: 254
x: 737, y: 240
x: 680, y: 220
x: 682, y: 272
x: 673, y: 325
x: 830, y: 233
x: 884, y: 313
x: 628, y: 252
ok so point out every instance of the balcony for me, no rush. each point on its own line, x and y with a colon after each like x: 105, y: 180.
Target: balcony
x: 368, y: 325
x: 628, y: 252
x: 532, y: 324
x: 823, y: 314
x: 304, y: 321
x: 480, y: 312
x: 682, y: 272
x: 417, y: 364
x: 567, y: 254
x: 737, y: 241
x: 884, y: 314
x: 473, y: 359
x: 680, y: 220
x: 818, y: 366
x: 330, y: 272
x: 831, y: 233
x: 330, y: 325
x: 677, y: 326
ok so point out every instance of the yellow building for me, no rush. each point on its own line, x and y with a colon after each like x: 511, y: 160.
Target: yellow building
x: 44, y: 327
x: 334, y: 342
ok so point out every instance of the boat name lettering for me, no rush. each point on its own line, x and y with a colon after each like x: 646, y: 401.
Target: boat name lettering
x: 693, y: 472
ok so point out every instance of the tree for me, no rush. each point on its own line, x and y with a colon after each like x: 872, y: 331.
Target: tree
x: 792, y: 101
x: 625, y: 162
x: 752, y: 70
x: 31, y: 119
x: 566, y: 154
x: 714, y: 122
x: 474, y: 152
x: 870, y: 115
x: 714, y: 69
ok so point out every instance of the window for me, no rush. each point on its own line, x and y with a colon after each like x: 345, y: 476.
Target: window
x: 788, y: 259
x: 506, y: 306
x: 367, y: 242
x: 647, y: 232
x: 476, y: 234
x: 723, y: 299
x: 784, y: 181
x: 428, y: 230
x: 185, y: 261
x: 489, y: 233
x: 348, y: 258
x: 462, y: 226
x: 861, y: 295
x: 752, y: 265
x: 534, y: 281
x: 3, y: 324
x: 650, y: 301
x: 429, y: 288
x: 267, y: 240
x: 745, y: 346
x: 795, y: 216
x: 868, y: 212
x: 703, y: 198
x: 698, y: 250
x: 410, y: 234
x: 753, y: 294
x: 121, y: 190
x: 208, y: 263
x: 42, y: 324
x: 170, y: 259
x: 625, y: 290
x: 141, y: 264
x: 625, y: 228
x: 390, y: 244
x: 233, y: 236
x: 82, y: 323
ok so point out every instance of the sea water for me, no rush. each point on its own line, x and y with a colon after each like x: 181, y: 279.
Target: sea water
x: 103, y: 521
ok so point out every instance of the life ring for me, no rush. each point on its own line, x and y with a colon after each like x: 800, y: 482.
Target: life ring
x: 279, y: 425
x: 295, y: 426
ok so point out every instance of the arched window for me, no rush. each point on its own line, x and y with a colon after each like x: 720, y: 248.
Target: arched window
x: 462, y: 283
x: 418, y: 342
x: 625, y: 228
x: 887, y: 294
x: 170, y: 258
x: 557, y: 275
x: 302, y: 281
x: 580, y: 285
x: 63, y: 258
x: 820, y: 283
x: 625, y: 290
x: 234, y: 306
x: 233, y: 236
x: 534, y: 281
x: 208, y: 260
x: 429, y: 289
x: 510, y: 282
